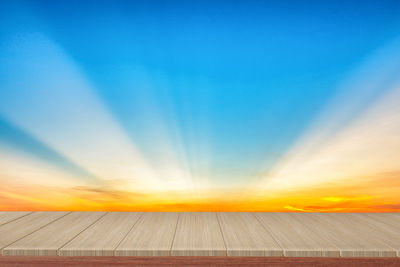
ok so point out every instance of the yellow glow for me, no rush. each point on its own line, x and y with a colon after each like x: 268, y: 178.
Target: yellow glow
x: 293, y: 208
x: 341, y: 199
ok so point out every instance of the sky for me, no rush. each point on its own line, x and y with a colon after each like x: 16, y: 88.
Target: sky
x: 200, y: 105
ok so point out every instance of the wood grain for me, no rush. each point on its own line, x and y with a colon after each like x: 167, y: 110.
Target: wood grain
x: 103, y: 237
x: 198, y: 234
x: 296, y: 238
x: 392, y: 219
x: 245, y: 236
x: 8, y: 216
x: 388, y: 233
x: 15, y: 230
x: 347, y: 236
x: 152, y: 235
x: 47, y: 240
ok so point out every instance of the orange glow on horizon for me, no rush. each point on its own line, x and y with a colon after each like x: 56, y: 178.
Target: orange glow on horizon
x: 366, y: 196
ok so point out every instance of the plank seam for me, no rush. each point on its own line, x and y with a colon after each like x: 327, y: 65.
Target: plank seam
x: 367, y: 215
x: 173, y: 238
x: 374, y: 229
x: 95, y: 221
x: 1, y: 249
x: 119, y: 243
x: 315, y: 232
x: 222, y: 234
x: 17, y: 218
x: 269, y: 232
x: 319, y: 217
x: 318, y: 221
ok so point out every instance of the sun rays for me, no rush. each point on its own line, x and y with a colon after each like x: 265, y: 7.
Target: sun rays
x: 66, y: 114
x: 367, y: 144
x: 343, y: 149
x: 152, y: 132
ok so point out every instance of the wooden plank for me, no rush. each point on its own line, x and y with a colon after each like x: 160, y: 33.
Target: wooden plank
x: 296, y: 238
x: 352, y: 241
x: 152, y: 235
x: 47, y: 240
x: 392, y: 219
x: 198, y: 234
x: 245, y: 236
x: 101, y: 238
x: 379, y: 228
x: 15, y: 230
x: 8, y: 216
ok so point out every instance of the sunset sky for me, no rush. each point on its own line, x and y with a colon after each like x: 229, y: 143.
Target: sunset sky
x: 200, y: 105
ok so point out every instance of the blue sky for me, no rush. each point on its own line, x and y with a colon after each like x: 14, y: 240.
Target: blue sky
x: 229, y: 85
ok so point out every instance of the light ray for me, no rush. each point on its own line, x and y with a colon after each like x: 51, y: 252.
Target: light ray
x: 21, y: 168
x: 336, y: 151
x: 155, y: 125
x: 45, y: 94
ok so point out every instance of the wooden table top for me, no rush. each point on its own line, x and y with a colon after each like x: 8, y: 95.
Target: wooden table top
x: 272, y: 234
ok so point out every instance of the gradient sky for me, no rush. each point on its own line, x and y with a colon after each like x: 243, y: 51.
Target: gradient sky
x: 200, y: 105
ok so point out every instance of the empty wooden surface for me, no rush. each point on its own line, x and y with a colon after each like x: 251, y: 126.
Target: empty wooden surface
x: 47, y: 240
x: 102, y: 237
x: 8, y: 216
x: 352, y: 240
x: 296, y: 238
x: 389, y: 221
x: 17, y: 229
x: 152, y: 235
x: 392, y: 219
x: 245, y: 236
x: 200, y: 234
x: 387, y: 233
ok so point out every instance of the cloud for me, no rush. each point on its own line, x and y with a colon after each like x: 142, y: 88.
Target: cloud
x: 92, y: 192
